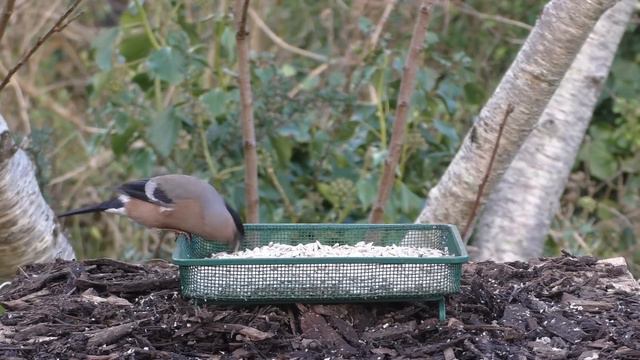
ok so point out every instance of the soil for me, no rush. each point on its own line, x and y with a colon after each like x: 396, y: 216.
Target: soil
x: 554, y: 308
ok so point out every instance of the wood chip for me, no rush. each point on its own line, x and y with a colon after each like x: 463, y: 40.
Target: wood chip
x: 251, y: 333
x: 110, y: 335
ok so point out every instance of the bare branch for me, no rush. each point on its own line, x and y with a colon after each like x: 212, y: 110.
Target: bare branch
x: 467, y: 9
x: 6, y: 14
x: 57, y: 27
x: 246, y: 112
x: 476, y: 204
x: 287, y: 203
x: 375, y: 36
x: 404, y: 98
x: 312, y: 74
x: 283, y: 44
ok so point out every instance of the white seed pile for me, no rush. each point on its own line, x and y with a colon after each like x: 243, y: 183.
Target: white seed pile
x: 325, y: 280
x: 316, y: 249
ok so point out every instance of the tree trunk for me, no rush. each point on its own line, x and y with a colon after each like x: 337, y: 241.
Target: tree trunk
x: 246, y: 113
x: 528, y: 85
x: 518, y: 214
x: 29, y: 231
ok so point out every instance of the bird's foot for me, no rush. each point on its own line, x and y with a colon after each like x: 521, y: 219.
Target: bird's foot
x: 186, y: 234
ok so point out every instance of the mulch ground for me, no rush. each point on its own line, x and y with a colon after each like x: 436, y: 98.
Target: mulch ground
x: 557, y: 308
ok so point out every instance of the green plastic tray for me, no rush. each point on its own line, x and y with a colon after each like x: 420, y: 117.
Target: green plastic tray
x: 324, y: 280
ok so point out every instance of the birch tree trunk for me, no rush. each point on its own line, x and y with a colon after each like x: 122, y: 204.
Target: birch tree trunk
x: 528, y: 85
x: 518, y: 214
x: 29, y: 231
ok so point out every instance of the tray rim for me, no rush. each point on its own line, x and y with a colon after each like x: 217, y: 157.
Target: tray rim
x: 459, y: 248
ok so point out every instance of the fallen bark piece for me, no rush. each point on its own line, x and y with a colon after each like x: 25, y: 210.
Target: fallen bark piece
x: 112, y: 300
x: 21, y: 303
x: 390, y: 332
x: 110, y: 335
x: 31, y: 331
x: 314, y: 326
x: 136, y: 286
x: 251, y: 333
x: 515, y: 316
x: 591, y: 305
x: 132, y: 268
x: 545, y: 351
x: 624, y: 281
x: 565, y: 328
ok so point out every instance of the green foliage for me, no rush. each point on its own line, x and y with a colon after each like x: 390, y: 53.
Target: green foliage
x: 167, y: 96
x: 326, y: 145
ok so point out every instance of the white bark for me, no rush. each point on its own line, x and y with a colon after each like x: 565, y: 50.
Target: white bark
x: 518, y: 214
x: 29, y: 231
x: 528, y: 85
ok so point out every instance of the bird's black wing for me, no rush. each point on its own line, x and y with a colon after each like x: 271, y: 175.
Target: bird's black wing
x: 236, y: 218
x: 137, y: 189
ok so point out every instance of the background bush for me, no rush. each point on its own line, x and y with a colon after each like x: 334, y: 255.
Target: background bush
x: 154, y: 86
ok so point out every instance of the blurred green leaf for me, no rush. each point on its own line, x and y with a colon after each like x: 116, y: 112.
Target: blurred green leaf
x: 228, y: 40
x: 167, y: 64
x: 144, y: 161
x: 367, y: 188
x: 178, y: 39
x: 364, y: 24
x: 346, y: 131
x: 599, y: 160
x: 449, y: 92
x: 327, y: 191
x: 164, y: 130
x: 287, y: 70
x: 426, y: 78
x: 473, y: 93
x: 588, y: 203
x: 447, y: 130
x: 214, y: 102
x: 120, y: 141
x: 284, y: 148
x: 135, y: 46
x: 265, y: 75
x: 408, y: 200
x: 104, y: 47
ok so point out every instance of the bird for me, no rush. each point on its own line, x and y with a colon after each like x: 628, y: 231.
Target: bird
x: 175, y: 202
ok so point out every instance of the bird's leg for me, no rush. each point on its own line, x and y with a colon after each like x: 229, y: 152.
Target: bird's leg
x: 186, y: 234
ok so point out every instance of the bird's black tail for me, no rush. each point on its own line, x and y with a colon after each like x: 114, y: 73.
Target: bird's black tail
x: 114, y: 203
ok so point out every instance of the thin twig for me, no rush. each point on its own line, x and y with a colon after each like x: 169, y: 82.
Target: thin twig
x: 407, y: 85
x: 466, y: 9
x: 57, y: 27
x: 246, y: 113
x: 287, y: 203
x: 350, y: 57
x: 281, y: 43
x: 476, y: 204
x: 205, y: 146
x: 375, y: 37
x: 314, y: 73
x: 96, y: 162
x: 63, y: 111
x: 147, y: 25
x: 6, y: 14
